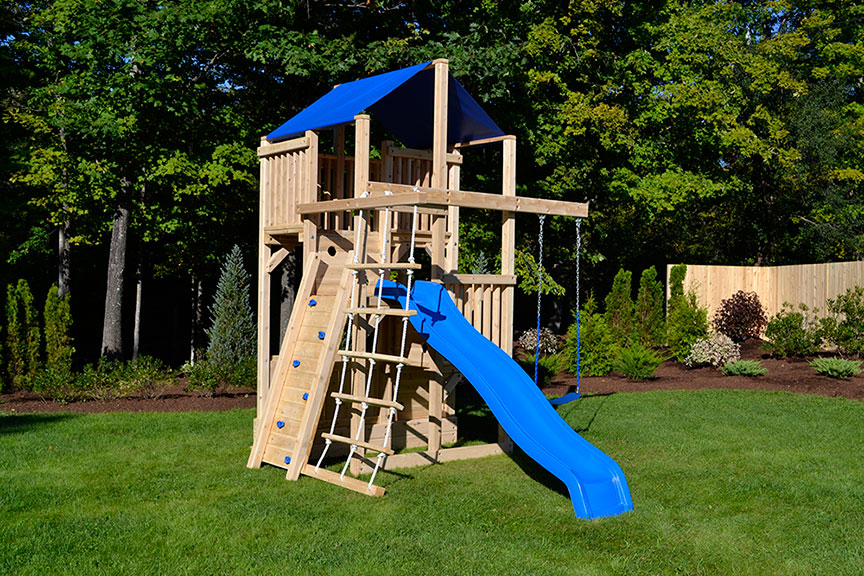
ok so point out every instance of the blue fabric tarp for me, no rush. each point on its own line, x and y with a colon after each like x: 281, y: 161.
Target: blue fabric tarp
x: 403, y: 102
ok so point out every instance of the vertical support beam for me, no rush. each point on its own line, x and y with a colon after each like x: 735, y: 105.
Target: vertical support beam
x: 309, y: 193
x: 338, y: 219
x: 263, y: 379
x: 452, y: 257
x: 361, y: 181
x: 508, y: 259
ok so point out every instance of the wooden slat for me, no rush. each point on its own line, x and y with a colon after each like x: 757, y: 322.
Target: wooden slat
x: 358, y: 443
x: 281, y: 147
x: 494, y: 279
x: 381, y: 311
x: 367, y: 400
x: 380, y: 357
x: 346, y: 482
x: 385, y: 266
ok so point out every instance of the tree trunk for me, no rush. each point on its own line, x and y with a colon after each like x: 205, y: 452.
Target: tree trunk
x: 112, y: 325
x: 196, y: 318
x: 136, y: 332
x: 64, y: 266
x: 289, y: 281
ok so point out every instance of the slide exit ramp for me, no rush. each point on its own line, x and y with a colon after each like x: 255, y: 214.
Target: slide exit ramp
x: 595, y: 481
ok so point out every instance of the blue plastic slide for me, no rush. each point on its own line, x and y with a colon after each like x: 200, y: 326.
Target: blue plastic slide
x: 596, y: 483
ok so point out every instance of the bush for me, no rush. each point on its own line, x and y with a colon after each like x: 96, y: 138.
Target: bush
x: 741, y: 316
x: 23, y: 335
x: 598, y: 346
x: 686, y: 323
x: 619, y: 308
x: 836, y: 367
x: 844, y: 327
x: 548, y: 341
x: 146, y: 376
x: 648, y: 311
x: 751, y: 368
x: 57, y: 384
x: 637, y: 362
x: 547, y: 368
x: 676, y: 281
x: 715, y: 349
x: 58, y: 323
x: 793, y: 332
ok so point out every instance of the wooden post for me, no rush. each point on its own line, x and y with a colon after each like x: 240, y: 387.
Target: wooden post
x: 361, y: 180
x: 263, y: 380
x: 508, y: 259
x: 309, y: 193
x: 452, y: 256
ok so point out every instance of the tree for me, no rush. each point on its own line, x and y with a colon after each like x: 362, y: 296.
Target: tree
x: 58, y: 325
x: 23, y: 335
x: 648, y: 310
x: 232, y: 331
x: 619, y: 308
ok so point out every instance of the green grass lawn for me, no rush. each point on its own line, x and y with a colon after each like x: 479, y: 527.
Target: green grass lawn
x: 724, y: 482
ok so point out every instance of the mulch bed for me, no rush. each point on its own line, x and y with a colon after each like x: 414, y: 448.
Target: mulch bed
x: 789, y: 375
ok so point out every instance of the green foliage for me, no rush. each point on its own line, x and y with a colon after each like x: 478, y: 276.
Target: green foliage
x: 58, y: 324
x: 836, y: 367
x: 619, y: 308
x: 104, y: 380
x: 649, y: 319
x: 793, y: 332
x: 527, y: 270
x: 232, y: 332
x: 597, y: 344
x: 844, y: 327
x: 637, y: 362
x: 686, y: 323
x: 24, y: 338
x: 677, y: 274
x: 715, y: 349
x: 752, y: 368
x: 741, y: 316
x: 548, y: 367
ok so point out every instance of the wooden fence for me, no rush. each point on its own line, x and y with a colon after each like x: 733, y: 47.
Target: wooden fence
x: 810, y: 284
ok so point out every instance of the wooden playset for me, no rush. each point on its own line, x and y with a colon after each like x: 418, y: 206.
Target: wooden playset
x: 352, y: 377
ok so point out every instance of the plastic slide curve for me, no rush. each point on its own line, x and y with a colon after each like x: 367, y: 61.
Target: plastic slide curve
x: 595, y: 481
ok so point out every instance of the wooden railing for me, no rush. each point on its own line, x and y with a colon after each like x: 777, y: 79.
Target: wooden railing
x: 483, y: 300
x: 288, y: 174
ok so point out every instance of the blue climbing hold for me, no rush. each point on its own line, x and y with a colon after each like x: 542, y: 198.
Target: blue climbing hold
x: 287, y: 459
x: 321, y: 335
x: 305, y: 395
x: 295, y: 363
x: 313, y: 302
x: 280, y: 424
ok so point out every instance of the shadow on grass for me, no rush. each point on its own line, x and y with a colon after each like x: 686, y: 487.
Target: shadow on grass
x: 20, y: 423
x: 598, y: 400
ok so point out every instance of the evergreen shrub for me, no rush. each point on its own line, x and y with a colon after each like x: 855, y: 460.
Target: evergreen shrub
x: 58, y: 324
x: 740, y: 316
x: 686, y: 323
x: 637, y: 362
x: 793, y: 332
x: 23, y: 335
x: 598, y: 346
x: 649, y: 320
x: 619, y: 308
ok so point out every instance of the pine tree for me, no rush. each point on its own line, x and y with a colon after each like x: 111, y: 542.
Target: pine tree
x: 58, y: 323
x: 23, y: 335
x: 649, y: 318
x: 232, y: 332
x: 619, y: 308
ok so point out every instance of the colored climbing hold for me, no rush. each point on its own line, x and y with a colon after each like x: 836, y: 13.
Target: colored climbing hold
x: 321, y: 335
x: 313, y: 302
x: 305, y: 395
x: 280, y: 424
x: 287, y: 459
x: 295, y: 363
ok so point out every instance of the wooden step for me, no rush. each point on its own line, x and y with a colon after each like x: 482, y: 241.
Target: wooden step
x: 381, y: 311
x: 379, y: 357
x: 275, y: 456
x: 385, y: 266
x: 367, y: 400
x: 346, y: 482
x: 358, y: 443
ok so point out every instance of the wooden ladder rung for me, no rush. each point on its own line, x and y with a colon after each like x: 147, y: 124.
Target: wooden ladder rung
x: 379, y: 357
x: 346, y: 482
x: 367, y: 400
x: 358, y: 443
x: 385, y: 266
x: 381, y: 311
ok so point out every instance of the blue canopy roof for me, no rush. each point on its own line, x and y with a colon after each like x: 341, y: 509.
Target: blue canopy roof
x: 403, y: 102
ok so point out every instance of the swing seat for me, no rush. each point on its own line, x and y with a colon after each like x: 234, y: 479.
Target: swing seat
x: 565, y: 399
